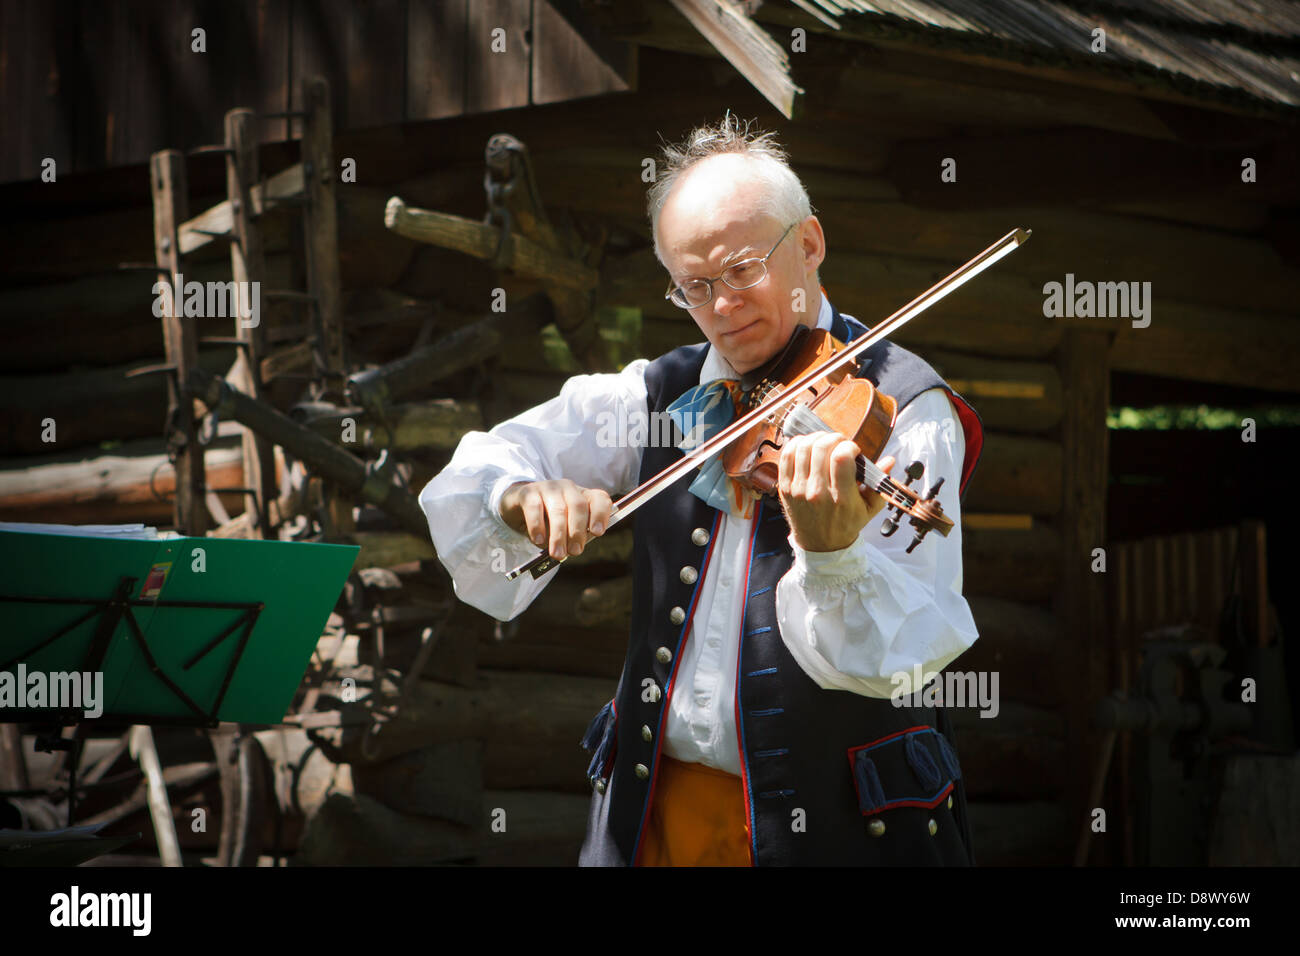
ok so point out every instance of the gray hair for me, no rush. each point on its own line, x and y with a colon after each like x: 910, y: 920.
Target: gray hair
x: 784, y: 198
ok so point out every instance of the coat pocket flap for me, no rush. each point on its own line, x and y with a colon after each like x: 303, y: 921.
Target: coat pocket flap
x: 911, y: 768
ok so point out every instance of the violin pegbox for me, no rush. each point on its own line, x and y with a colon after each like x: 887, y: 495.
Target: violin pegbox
x: 887, y: 527
x: 927, y: 514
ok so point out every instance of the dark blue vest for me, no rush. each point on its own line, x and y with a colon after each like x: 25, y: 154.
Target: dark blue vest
x: 830, y: 777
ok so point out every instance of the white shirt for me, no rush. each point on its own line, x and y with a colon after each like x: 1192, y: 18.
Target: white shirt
x: 851, y: 619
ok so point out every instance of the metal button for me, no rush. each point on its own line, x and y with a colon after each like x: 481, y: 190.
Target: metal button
x: 654, y: 692
x: 689, y: 575
x: 600, y: 786
x: 876, y: 828
x: 646, y: 735
x: 700, y: 536
x: 677, y: 615
x: 663, y: 655
x: 642, y: 771
x: 949, y: 801
x: 934, y: 827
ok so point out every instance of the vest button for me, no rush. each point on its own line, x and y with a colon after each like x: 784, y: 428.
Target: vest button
x: 642, y: 772
x: 663, y: 655
x: 950, y: 801
x: 689, y: 575
x: 700, y: 536
x: 876, y: 828
x: 646, y: 735
x: 934, y: 827
x: 653, y: 692
x: 677, y: 615
x: 600, y: 786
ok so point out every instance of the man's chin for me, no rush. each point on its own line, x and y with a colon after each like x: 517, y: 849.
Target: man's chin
x: 746, y: 359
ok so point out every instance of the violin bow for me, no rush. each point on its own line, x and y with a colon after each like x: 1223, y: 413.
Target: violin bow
x: 637, y: 497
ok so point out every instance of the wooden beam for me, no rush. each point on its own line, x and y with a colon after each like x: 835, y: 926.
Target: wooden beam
x: 1254, y: 583
x: 1017, y: 473
x: 445, y: 780
x: 1022, y: 643
x: 480, y: 240
x: 284, y: 185
x: 1085, y: 376
x: 320, y: 226
x: 344, y: 471
x: 121, y: 487
x: 1202, y: 343
x: 1072, y: 166
x: 1008, y: 395
x: 436, y: 425
x: 169, y: 192
x: 248, y: 268
x: 749, y: 48
x: 92, y: 406
x: 1013, y: 564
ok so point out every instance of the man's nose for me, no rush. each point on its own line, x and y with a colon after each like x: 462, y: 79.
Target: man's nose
x: 725, y: 300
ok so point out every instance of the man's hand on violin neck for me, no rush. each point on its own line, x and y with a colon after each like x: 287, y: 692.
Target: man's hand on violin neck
x: 560, y: 516
x: 817, y: 481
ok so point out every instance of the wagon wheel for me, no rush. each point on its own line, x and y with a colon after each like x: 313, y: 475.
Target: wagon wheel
x: 219, y: 770
x: 247, y: 799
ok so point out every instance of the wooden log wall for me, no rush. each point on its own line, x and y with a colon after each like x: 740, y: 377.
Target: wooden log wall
x: 388, y: 62
x: 495, y: 719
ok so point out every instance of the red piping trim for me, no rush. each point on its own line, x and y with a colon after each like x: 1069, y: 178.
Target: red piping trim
x: 740, y: 728
x: 881, y: 740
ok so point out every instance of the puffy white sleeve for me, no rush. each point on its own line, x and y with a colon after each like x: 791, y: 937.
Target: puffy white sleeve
x: 854, y: 618
x: 581, y: 434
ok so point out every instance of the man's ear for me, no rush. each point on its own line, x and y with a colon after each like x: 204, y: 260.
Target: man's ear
x: 812, y: 244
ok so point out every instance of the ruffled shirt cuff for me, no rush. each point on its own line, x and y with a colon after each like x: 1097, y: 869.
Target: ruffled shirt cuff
x: 492, y: 502
x: 831, y: 568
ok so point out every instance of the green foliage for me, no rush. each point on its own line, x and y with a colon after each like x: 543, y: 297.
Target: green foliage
x: 1201, y: 417
x: 619, y: 327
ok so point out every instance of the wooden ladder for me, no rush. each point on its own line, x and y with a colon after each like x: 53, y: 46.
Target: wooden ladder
x: 308, y: 185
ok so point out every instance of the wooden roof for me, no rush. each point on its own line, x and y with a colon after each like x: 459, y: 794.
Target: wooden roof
x: 1232, y: 50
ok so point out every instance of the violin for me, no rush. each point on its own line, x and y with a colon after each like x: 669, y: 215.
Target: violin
x: 837, y: 402
x: 793, y: 396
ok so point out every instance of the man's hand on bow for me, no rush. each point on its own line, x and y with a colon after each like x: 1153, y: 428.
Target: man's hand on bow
x: 557, y: 515
x: 826, y: 507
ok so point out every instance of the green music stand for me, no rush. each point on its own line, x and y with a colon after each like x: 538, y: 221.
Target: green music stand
x: 185, y: 630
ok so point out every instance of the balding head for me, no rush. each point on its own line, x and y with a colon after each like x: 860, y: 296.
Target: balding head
x: 721, y: 212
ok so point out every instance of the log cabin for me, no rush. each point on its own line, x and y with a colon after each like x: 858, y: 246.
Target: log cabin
x: 1142, y: 141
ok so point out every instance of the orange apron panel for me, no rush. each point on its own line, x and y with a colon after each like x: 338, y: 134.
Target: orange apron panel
x: 697, y: 818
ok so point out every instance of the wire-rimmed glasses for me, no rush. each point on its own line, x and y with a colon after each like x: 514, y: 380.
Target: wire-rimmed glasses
x: 739, y: 276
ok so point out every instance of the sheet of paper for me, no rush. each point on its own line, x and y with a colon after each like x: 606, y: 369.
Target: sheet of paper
x: 138, y: 531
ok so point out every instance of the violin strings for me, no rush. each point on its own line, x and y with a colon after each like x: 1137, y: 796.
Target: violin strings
x: 802, y: 420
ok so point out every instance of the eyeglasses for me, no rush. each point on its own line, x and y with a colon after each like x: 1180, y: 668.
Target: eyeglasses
x: 739, y: 276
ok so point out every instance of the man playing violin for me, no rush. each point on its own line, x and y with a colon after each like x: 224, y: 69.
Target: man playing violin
x: 760, y: 717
